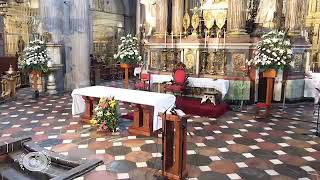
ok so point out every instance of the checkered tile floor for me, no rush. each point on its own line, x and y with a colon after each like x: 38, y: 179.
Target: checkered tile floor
x: 234, y: 146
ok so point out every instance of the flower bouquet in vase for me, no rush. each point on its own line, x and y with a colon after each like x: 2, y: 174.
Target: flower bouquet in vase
x: 128, y: 55
x: 35, y: 60
x: 105, y: 115
x: 272, y: 53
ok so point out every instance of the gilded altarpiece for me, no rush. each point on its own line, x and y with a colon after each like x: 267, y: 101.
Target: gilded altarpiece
x: 237, y: 60
x: 164, y: 60
x: 213, y: 62
x: 190, y: 60
x: 298, y: 62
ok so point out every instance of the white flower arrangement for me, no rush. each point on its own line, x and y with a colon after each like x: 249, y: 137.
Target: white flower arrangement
x: 35, y: 57
x: 273, y: 52
x: 128, y: 50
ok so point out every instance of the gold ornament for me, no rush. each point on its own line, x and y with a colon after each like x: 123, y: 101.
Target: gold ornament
x: 208, y: 19
x: 195, y: 21
x: 186, y: 22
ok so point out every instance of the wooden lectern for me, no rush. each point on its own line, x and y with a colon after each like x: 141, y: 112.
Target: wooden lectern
x: 142, y: 120
x: 175, y: 146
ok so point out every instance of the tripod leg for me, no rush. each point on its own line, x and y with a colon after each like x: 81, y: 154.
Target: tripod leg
x: 317, y: 130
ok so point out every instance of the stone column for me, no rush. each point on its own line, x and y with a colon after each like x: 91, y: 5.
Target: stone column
x: 295, y: 16
x: 177, y: 16
x: 237, y: 17
x: 51, y: 13
x: 79, y: 40
x: 138, y: 16
x: 161, y: 17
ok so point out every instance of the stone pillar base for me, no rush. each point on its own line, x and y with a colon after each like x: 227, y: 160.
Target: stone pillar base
x: 51, y: 86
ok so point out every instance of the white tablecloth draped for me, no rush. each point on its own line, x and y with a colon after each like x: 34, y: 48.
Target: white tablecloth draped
x: 137, y: 71
x: 221, y: 85
x: 310, y: 86
x: 160, y: 102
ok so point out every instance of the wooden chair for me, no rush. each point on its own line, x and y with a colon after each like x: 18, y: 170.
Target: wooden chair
x: 178, y: 85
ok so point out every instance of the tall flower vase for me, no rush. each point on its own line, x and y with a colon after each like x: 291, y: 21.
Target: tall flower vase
x: 125, y: 67
x: 270, y: 74
x: 34, y: 83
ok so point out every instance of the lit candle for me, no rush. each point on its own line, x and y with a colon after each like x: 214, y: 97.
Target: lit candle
x: 205, y: 39
x: 172, y: 40
x: 180, y: 37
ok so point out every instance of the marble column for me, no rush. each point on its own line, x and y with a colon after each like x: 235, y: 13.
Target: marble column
x: 177, y: 16
x: 79, y: 41
x: 237, y: 17
x: 138, y: 16
x: 161, y: 17
x: 51, y: 13
x: 295, y: 16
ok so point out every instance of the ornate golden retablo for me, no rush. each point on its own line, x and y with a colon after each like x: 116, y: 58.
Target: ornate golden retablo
x: 208, y: 19
x: 186, y: 22
x: 195, y: 21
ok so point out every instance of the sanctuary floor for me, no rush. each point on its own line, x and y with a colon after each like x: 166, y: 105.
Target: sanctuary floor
x: 234, y: 146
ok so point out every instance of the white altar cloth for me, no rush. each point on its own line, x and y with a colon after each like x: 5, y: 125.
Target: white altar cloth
x: 221, y: 85
x: 160, y: 102
x: 310, y: 86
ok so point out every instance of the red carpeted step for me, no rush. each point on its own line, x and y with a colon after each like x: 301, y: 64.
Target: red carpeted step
x: 193, y: 106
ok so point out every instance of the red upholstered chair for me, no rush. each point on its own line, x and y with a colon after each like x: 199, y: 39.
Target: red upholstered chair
x: 144, y: 83
x: 178, y: 85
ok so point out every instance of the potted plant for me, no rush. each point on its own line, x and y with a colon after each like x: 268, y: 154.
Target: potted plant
x: 128, y: 54
x: 35, y: 60
x: 106, y: 115
x: 273, y: 53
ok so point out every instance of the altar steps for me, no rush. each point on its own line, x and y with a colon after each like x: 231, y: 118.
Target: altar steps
x: 193, y: 106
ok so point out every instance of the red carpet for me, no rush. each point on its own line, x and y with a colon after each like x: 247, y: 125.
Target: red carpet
x: 193, y: 106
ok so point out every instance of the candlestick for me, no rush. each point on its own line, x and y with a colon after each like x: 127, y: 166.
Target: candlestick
x: 205, y: 39
x: 172, y: 39
x: 165, y: 39
x: 180, y: 37
x: 224, y: 38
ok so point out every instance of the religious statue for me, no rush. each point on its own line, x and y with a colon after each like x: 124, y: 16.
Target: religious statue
x: 266, y: 12
x: 21, y: 45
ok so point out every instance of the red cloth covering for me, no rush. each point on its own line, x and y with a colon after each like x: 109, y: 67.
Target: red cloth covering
x: 193, y: 106
x: 262, y: 105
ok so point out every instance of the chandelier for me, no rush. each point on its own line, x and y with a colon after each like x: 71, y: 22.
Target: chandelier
x: 6, y: 4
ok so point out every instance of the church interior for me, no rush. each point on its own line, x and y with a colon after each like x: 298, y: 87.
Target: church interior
x: 159, y: 89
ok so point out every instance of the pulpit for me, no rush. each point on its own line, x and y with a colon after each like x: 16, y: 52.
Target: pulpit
x: 175, y: 146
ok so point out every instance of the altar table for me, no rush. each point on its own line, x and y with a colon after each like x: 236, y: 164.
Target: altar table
x: 309, y: 88
x: 221, y: 85
x: 159, y: 102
